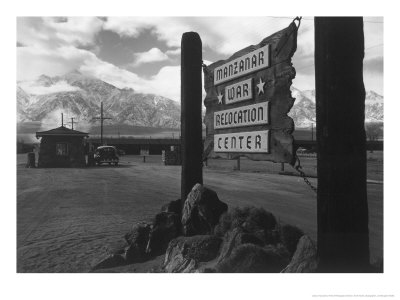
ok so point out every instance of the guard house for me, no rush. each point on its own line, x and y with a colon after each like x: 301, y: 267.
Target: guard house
x: 61, y: 147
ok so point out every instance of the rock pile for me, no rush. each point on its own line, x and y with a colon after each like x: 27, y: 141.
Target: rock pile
x: 204, y: 236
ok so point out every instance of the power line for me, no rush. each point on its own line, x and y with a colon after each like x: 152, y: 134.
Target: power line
x: 312, y: 19
x: 101, y: 118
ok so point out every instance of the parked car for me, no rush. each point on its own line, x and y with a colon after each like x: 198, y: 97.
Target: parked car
x: 106, y: 154
x: 302, y: 150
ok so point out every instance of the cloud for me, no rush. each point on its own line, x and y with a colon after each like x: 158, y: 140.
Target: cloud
x: 35, y: 89
x: 165, y: 83
x: 151, y: 56
x: 225, y: 35
x: 110, y: 73
x: 75, y: 30
x: 52, y: 32
x: 374, y: 65
x: 173, y: 52
x: 53, y: 119
x: 128, y: 26
x: 32, y: 61
x: 55, y: 46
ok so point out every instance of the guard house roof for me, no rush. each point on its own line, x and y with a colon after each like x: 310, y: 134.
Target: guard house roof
x: 61, y: 131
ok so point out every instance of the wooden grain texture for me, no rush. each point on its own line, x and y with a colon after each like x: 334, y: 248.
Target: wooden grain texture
x: 278, y: 79
x: 191, y: 126
x: 343, y: 238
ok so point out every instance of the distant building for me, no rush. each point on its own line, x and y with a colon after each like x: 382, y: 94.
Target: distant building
x: 62, y: 147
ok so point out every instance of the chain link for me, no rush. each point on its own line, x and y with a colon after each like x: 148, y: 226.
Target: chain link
x: 298, y: 168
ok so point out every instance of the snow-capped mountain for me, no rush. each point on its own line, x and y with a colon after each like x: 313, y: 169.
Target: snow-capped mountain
x: 79, y: 96
x: 303, y: 110
x: 304, y: 114
x: 373, y: 107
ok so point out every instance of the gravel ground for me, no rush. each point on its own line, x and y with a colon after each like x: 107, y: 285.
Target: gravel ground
x: 67, y: 218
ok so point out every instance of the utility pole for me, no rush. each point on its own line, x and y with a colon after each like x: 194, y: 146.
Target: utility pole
x: 101, y: 118
x: 62, y: 120
x: 342, y: 207
x: 72, y: 122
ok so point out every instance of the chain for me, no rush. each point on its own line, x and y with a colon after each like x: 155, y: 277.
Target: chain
x: 298, y: 168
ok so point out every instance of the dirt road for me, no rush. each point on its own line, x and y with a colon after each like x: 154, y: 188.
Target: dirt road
x: 66, y: 218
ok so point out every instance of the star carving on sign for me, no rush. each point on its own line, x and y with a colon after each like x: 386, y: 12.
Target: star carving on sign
x: 260, y: 87
x: 220, y: 96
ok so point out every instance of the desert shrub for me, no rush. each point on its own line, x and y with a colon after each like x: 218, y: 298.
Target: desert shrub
x: 290, y: 236
x: 248, y: 218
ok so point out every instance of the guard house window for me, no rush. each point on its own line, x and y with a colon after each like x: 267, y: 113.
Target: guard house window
x: 61, y: 149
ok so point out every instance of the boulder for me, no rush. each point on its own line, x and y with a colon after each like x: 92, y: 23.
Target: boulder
x: 201, y: 211
x: 233, y: 239
x: 166, y: 226
x: 305, y: 259
x: 113, y: 260
x: 137, y: 239
x: 139, y: 233
x: 250, y: 219
x: 250, y: 258
x: 290, y: 236
x: 116, y: 247
x: 185, y: 253
x: 173, y: 206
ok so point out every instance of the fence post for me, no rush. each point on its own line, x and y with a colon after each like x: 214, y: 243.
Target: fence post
x: 342, y: 208
x: 191, y: 104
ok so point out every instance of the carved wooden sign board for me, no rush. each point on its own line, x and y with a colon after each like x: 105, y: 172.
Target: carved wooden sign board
x: 248, y: 99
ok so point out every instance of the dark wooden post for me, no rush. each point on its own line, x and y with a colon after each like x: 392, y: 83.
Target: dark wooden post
x: 343, y: 242
x: 191, y: 103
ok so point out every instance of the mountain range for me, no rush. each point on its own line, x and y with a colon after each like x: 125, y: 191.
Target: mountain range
x: 79, y: 96
x: 304, y: 114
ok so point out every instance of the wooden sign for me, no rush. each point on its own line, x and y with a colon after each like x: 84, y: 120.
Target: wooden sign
x: 248, y: 99
x: 248, y: 115
x: 248, y: 63
x: 250, y: 142
x: 239, y: 91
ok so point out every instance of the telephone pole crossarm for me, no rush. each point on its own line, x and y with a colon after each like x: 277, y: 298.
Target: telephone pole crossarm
x: 101, y: 118
x: 72, y: 122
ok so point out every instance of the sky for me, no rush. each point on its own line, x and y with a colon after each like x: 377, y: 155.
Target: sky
x: 143, y: 53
